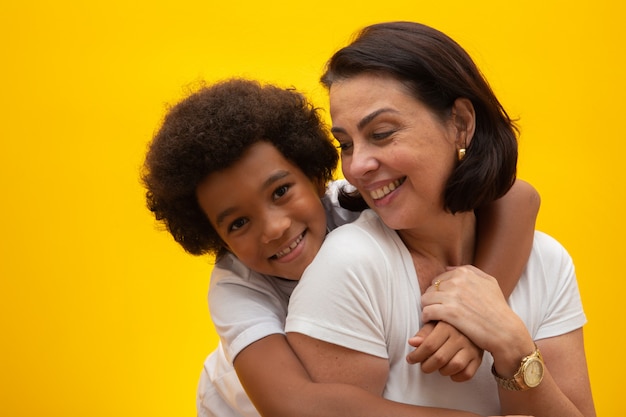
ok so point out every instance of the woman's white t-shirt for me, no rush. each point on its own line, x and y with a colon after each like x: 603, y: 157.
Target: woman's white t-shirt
x: 362, y: 292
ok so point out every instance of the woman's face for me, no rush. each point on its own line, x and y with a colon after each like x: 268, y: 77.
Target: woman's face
x: 396, y: 151
x: 267, y: 212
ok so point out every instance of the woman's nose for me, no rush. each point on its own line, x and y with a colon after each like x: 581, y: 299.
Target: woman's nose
x: 360, y: 162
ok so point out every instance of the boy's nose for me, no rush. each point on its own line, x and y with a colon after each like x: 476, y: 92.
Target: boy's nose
x: 276, y: 224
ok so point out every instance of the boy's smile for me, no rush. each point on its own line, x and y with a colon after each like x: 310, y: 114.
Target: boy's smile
x: 267, y: 212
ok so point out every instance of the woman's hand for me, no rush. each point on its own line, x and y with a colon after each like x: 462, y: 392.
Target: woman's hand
x: 439, y: 346
x: 472, y: 302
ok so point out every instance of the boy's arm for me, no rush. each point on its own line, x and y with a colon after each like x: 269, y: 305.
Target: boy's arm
x: 278, y: 385
x: 505, y: 233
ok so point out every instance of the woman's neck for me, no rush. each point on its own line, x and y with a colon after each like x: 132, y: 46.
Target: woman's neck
x: 447, y: 241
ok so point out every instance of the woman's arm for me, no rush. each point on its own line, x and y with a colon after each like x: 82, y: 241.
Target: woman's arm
x: 505, y: 232
x: 278, y: 384
x: 566, y: 374
x: 471, y: 301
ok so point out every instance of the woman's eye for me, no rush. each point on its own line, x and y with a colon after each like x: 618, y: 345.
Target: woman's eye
x: 238, y: 224
x: 344, y: 146
x: 382, y: 135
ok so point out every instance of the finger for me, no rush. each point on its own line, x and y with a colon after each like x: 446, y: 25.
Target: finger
x: 437, y: 282
x: 436, y: 350
x: 419, y: 337
x: 432, y: 309
x: 454, y: 355
x: 432, y: 296
x: 440, y: 359
x: 428, y: 345
x: 418, y: 355
x: 462, y: 369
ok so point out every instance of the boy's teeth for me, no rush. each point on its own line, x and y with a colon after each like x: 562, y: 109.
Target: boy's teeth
x: 289, y: 248
x: 383, y: 191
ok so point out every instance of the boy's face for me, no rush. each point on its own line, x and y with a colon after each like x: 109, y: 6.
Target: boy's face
x: 267, y: 212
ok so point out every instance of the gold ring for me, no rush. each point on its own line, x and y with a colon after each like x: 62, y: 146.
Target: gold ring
x: 436, y: 284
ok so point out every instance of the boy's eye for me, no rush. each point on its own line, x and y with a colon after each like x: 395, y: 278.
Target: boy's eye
x: 238, y: 224
x: 281, y: 191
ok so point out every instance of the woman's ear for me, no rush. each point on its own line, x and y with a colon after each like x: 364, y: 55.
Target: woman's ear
x: 464, y: 119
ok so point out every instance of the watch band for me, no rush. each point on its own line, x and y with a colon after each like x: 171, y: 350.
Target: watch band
x: 508, y: 384
x: 518, y: 382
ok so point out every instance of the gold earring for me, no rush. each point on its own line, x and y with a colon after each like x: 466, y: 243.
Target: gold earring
x: 460, y: 154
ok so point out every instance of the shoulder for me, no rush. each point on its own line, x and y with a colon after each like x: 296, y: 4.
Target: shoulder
x: 246, y: 306
x: 549, y: 252
x: 367, y: 224
x: 231, y: 271
x: 547, y: 296
x: 366, y: 233
x: 548, y: 259
x: 233, y: 283
x: 228, y: 266
x: 362, y: 251
x: 547, y: 242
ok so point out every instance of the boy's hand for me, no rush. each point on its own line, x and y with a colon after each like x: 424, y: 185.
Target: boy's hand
x: 440, y: 346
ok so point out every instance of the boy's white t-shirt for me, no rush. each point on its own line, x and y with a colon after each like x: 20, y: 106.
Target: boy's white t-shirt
x: 245, y: 307
x: 362, y: 293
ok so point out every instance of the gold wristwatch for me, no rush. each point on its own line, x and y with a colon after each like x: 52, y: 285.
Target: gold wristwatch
x: 529, y: 374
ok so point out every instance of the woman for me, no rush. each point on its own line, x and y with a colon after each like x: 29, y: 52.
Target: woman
x: 425, y: 142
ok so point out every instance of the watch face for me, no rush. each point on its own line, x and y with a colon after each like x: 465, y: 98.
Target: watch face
x: 533, y: 373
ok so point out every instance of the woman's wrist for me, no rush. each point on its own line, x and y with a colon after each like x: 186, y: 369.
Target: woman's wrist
x: 509, y: 355
x: 509, y: 352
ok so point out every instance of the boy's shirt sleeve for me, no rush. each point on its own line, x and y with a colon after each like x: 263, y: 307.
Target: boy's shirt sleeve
x: 246, y: 306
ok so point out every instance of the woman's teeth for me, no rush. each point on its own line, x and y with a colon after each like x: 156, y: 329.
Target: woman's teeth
x: 289, y: 248
x: 383, y: 191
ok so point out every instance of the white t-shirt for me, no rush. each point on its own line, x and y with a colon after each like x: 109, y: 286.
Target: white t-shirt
x: 245, y: 307
x: 362, y: 292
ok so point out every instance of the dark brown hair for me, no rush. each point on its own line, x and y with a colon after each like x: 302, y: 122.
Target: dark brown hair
x: 437, y: 71
x: 209, y: 131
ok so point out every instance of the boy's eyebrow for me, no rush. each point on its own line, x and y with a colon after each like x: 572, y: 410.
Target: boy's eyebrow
x: 367, y: 119
x: 222, y: 215
x: 276, y: 176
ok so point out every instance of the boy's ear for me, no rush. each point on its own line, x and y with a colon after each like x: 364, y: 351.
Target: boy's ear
x: 464, y: 119
x: 320, y: 185
x: 225, y: 246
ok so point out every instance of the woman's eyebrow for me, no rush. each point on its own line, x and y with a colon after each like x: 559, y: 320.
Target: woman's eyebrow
x: 365, y: 120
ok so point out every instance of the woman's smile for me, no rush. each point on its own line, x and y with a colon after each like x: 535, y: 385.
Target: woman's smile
x: 386, y: 190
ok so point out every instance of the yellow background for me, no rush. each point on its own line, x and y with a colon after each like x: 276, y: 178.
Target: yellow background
x: 101, y: 314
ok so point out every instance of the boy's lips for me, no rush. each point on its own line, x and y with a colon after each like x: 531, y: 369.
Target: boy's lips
x: 294, y: 244
x: 381, y: 192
